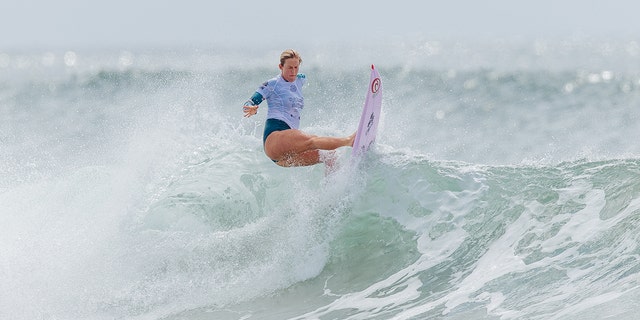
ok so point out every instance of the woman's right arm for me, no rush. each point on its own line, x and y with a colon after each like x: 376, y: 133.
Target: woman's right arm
x: 250, y: 107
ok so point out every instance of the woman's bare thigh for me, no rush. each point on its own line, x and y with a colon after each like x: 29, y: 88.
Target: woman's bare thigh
x: 286, y: 143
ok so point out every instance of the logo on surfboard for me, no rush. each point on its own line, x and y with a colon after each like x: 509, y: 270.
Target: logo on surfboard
x: 370, y: 123
x: 375, y: 85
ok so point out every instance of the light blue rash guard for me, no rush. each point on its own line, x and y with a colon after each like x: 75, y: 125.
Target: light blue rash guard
x: 284, y: 99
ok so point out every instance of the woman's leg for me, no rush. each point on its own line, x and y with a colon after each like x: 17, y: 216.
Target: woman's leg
x: 307, y: 158
x: 295, y: 148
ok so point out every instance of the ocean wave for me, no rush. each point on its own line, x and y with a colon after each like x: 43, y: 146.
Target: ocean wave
x: 495, y: 190
x: 432, y: 239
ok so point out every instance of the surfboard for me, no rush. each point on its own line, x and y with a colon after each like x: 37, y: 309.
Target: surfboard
x: 368, y: 126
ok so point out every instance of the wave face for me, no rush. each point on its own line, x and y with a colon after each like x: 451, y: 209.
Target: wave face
x: 505, y: 184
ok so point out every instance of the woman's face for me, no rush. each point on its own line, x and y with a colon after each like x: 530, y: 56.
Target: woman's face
x: 290, y: 69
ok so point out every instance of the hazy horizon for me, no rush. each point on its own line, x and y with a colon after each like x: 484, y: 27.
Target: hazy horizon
x: 75, y: 23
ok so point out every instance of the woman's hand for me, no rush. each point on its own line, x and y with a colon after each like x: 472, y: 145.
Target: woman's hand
x: 249, y: 110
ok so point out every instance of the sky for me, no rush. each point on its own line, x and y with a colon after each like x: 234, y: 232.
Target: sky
x: 121, y: 23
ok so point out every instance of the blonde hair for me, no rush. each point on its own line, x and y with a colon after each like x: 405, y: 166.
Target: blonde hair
x: 289, y: 54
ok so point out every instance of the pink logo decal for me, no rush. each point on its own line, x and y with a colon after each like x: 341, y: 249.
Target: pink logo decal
x: 375, y: 85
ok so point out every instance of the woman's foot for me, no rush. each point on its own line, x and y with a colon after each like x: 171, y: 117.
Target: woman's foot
x: 351, y: 139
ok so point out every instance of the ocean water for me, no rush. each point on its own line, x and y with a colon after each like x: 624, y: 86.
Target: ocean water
x: 505, y: 184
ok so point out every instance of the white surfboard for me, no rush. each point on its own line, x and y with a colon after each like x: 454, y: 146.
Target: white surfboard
x: 368, y: 127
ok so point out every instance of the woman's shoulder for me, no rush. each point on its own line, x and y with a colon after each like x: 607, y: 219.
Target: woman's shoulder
x: 269, y: 83
x: 301, y: 78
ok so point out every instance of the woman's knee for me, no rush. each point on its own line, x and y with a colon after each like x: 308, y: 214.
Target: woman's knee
x: 313, y: 142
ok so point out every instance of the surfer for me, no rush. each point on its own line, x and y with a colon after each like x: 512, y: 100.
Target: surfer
x: 283, y: 142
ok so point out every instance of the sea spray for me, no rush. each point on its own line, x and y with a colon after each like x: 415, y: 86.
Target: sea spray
x: 503, y: 184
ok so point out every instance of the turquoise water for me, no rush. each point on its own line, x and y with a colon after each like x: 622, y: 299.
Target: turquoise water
x: 505, y: 184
